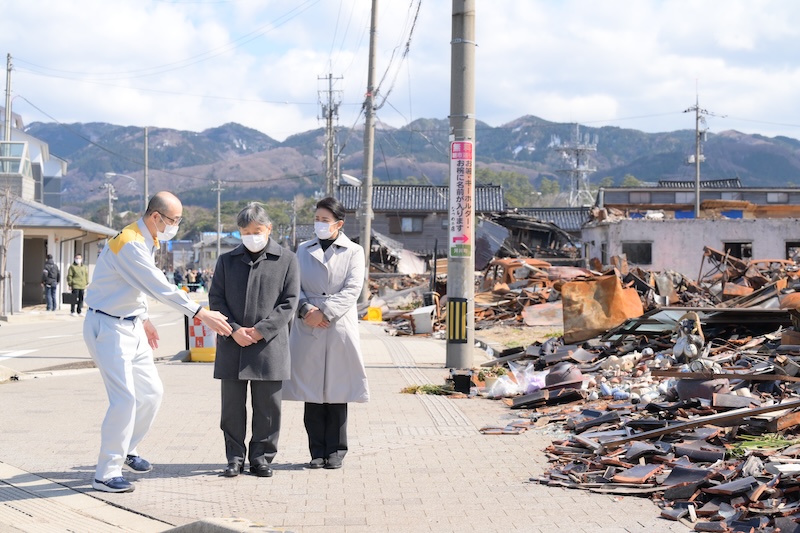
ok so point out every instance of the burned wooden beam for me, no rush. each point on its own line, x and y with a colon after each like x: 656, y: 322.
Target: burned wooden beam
x: 718, y: 419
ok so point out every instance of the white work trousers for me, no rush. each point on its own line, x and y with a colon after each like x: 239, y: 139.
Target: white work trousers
x: 125, y: 360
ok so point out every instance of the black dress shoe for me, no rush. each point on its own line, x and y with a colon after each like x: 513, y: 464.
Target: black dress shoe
x: 318, y: 462
x: 233, y: 470
x: 333, y: 462
x: 261, y: 470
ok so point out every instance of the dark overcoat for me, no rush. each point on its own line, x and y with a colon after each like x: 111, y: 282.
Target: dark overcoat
x: 261, y: 294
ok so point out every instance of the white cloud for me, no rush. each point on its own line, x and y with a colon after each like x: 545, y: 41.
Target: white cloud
x: 199, y: 65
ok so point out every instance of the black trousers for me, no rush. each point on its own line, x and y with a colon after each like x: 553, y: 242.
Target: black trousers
x: 326, y: 425
x: 77, y: 300
x: 266, y: 403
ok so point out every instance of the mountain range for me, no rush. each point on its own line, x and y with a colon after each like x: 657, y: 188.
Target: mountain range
x: 251, y: 165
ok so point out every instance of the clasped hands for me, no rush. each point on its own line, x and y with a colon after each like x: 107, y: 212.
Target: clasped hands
x: 246, y: 336
x: 316, y: 319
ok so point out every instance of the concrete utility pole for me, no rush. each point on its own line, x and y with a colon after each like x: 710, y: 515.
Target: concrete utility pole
x: 293, y: 244
x: 698, y: 133
x: 331, y: 111
x: 461, y: 250
x: 369, y: 149
x: 7, y: 129
x: 219, y: 190
x: 698, y: 157
x: 110, y: 189
x: 146, y: 165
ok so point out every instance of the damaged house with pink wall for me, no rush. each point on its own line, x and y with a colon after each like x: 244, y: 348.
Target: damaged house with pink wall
x: 657, y: 229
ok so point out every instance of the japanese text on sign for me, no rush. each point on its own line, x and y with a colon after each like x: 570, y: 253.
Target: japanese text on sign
x: 461, y: 200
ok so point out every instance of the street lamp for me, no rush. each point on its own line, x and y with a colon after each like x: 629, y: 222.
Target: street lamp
x: 351, y: 180
x: 115, y: 175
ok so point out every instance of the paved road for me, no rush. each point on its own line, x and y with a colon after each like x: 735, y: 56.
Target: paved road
x: 36, y: 339
x: 417, y: 463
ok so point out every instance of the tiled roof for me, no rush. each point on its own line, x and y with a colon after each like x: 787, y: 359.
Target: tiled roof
x: 419, y: 198
x: 566, y: 218
x: 731, y: 183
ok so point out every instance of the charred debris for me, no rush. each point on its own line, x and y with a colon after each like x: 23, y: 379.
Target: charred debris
x: 682, y: 390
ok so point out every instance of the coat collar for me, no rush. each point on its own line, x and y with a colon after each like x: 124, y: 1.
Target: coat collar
x: 316, y: 251
x: 149, y: 241
x: 342, y: 240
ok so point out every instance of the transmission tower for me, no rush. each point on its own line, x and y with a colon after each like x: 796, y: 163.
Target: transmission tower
x: 576, y: 155
x: 329, y: 102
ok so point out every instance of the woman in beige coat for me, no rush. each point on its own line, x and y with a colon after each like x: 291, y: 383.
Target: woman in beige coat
x: 327, y: 365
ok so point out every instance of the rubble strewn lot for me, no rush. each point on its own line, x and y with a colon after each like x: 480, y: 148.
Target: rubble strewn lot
x: 683, y: 391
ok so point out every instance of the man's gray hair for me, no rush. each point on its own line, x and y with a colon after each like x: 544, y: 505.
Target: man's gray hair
x: 253, y: 212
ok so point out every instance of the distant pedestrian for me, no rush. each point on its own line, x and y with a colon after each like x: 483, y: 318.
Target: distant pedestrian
x: 121, y: 338
x: 191, y: 280
x: 77, y: 280
x: 50, y: 276
x: 327, y: 365
x: 256, y: 286
x: 178, y: 278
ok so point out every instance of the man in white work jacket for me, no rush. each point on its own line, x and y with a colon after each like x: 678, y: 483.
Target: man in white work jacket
x: 121, y: 338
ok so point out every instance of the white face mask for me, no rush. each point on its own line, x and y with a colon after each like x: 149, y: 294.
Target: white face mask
x: 78, y: 261
x: 323, y: 230
x: 168, y: 233
x: 255, y: 243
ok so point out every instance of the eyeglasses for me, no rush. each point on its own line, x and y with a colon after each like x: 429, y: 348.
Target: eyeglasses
x: 173, y: 221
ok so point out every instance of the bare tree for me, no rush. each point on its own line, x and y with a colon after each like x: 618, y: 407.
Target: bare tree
x: 10, y: 213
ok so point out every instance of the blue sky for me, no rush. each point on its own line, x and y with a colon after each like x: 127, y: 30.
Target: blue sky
x: 196, y: 64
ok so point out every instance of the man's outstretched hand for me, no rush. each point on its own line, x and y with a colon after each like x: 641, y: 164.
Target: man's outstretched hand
x: 216, y: 321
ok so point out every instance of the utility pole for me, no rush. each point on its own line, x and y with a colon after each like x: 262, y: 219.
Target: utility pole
x: 331, y: 112
x: 219, y: 190
x: 461, y: 250
x: 698, y: 157
x: 369, y: 148
x: 111, y: 191
x: 293, y: 245
x: 7, y: 129
x: 146, y: 165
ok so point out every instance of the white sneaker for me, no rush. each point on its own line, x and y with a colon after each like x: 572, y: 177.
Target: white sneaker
x: 73, y: 314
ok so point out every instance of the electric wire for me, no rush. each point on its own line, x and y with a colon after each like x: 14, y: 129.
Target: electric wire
x: 406, y: 51
x: 193, y: 60
x: 139, y: 162
x: 179, y: 93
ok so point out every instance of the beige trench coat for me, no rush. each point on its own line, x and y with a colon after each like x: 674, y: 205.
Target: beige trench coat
x: 327, y: 365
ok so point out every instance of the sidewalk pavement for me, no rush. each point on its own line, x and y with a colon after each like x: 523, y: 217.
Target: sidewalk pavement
x: 417, y: 463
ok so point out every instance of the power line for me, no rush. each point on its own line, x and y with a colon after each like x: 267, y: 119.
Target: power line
x: 141, y: 162
x: 176, y: 93
x: 199, y: 58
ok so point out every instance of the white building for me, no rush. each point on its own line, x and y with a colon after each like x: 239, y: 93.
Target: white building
x: 32, y: 176
x: 657, y: 229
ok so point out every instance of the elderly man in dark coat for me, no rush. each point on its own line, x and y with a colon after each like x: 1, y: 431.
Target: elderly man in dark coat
x: 256, y: 285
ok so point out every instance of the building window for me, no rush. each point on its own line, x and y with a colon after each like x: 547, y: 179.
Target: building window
x: 777, y: 197
x: 684, y: 197
x: 638, y: 253
x: 604, y: 253
x: 793, y: 250
x: 400, y: 225
x: 730, y: 196
x: 639, y: 197
x: 741, y: 250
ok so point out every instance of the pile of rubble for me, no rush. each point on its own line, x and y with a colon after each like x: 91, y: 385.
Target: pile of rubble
x: 682, y: 390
